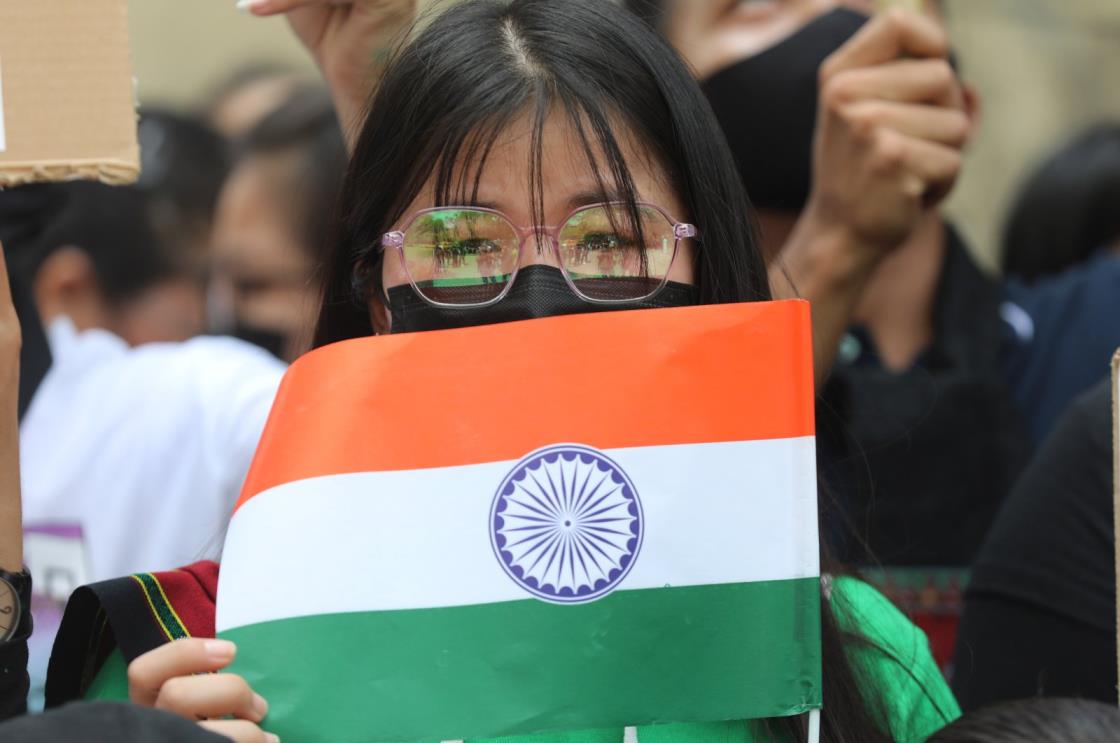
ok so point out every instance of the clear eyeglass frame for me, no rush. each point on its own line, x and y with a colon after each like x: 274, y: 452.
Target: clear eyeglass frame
x: 548, y: 234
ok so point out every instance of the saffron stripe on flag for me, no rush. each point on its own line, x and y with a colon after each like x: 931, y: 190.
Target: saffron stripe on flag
x: 397, y: 390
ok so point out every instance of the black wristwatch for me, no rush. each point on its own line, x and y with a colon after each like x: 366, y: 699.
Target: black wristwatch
x: 15, y: 606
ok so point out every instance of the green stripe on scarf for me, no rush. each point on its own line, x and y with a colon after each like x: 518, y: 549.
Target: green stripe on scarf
x: 168, y: 620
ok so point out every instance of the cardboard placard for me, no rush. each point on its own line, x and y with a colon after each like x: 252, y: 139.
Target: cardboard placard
x: 67, y: 101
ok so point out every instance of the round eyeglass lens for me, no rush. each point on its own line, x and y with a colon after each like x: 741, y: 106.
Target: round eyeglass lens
x: 611, y: 256
x: 460, y: 256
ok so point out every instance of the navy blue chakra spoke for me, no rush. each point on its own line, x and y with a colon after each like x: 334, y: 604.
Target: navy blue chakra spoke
x: 566, y: 524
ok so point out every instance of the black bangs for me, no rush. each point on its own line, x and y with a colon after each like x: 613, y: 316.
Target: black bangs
x: 480, y: 68
x: 460, y: 165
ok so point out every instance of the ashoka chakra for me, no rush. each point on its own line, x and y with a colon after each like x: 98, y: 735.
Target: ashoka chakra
x: 566, y: 524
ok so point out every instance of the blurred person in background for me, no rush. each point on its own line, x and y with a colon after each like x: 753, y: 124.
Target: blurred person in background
x: 847, y: 130
x: 183, y: 166
x: 141, y: 277
x: 252, y: 92
x: 1061, y: 252
x: 133, y: 450
x: 85, y: 722
x: 167, y: 429
x: 150, y: 273
x: 100, y: 264
x: 1040, y: 611
x: 1065, y: 213
x: 133, y: 456
x: 274, y: 216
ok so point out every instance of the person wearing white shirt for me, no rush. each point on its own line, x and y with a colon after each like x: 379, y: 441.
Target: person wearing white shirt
x: 132, y: 452
x: 142, y: 450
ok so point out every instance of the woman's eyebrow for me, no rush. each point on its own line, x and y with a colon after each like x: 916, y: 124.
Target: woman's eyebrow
x: 583, y: 198
x: 479, y: 204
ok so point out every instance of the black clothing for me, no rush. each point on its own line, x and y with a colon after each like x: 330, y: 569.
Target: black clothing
x: 1040, y: 613
x: 1009, y: 649
x: 766, y: 105
x: 106, y: 722
x: 96, y: 616
x: 1063, y: 335
x: 920, y: 460
x: 14, y: 681
x: 133, y: 614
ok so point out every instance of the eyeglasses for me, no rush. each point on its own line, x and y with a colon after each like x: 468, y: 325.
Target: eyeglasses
x: 458, y: 256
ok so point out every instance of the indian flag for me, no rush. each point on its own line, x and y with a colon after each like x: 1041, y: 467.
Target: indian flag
x: 589, y: 521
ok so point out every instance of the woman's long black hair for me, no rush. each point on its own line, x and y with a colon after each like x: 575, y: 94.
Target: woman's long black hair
x: 479, y: 66
x: 483, y: 64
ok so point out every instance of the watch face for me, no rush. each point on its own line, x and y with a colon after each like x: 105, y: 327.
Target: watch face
x: 9, y: 610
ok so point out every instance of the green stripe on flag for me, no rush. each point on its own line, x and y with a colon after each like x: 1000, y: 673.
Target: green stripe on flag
x: 697, y: 653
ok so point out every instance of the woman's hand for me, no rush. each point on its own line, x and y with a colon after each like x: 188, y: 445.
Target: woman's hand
x: 350, y: 40
x: 11, y: 522
x: 181, y: 677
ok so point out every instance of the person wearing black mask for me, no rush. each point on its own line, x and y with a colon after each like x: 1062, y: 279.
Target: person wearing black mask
x: 273, y: 216
x: 178, y: 418
x: 27, y: 209
x: 847, y: 131
x: 560, y: 147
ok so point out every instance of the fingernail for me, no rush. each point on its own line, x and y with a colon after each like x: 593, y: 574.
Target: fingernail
x: 220, y: 650
x: 272, y: 737
x: 260, y: 706
x: 250, y: 4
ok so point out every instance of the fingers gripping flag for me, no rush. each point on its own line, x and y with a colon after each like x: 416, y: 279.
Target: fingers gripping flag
x: 562, y: 524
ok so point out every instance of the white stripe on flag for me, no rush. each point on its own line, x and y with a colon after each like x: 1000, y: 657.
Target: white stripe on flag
x: 712, y: 513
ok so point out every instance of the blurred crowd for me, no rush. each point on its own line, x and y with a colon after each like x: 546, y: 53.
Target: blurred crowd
x: 964, y: 447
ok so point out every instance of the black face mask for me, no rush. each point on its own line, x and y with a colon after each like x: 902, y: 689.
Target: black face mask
x: 539, y: 291
x: 767, y: 107
x: 272, y: 341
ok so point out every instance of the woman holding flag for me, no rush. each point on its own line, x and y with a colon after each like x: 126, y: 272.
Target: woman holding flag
x: 525, y: 114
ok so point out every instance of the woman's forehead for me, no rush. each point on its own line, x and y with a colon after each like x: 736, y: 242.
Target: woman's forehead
x: 569, y: 175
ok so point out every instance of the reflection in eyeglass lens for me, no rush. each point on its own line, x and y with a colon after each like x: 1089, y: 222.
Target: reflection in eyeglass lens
x: 605, y: 242
x: 460, y: 247
x: 464, y: 256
